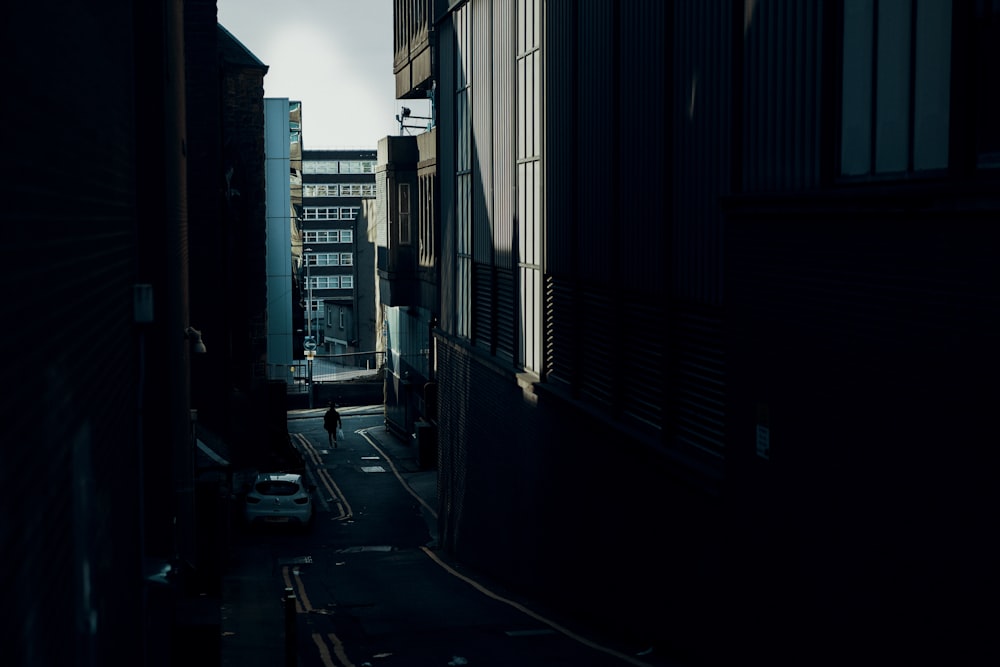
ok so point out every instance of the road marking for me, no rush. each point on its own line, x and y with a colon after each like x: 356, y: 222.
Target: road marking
x: 364, y: 434
x: 338, y: 649
x: 302, y: 604
x: 538, y: 617
x: 344, y: 510
x: 324, y: 652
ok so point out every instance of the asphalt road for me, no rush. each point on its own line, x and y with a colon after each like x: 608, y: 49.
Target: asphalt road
x: 371, y: 586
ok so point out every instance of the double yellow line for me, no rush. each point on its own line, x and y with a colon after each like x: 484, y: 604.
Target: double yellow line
x: 339, y: 500
x: 304, y: 606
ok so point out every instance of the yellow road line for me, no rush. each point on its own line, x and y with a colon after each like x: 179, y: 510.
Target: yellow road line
x: 324, y: 652
x: 395, y: 471
x: 338, y: 649
x: 344, y: 510
x: 302, y: 604
x: 524, y: 610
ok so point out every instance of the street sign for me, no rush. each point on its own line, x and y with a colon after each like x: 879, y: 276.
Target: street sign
x: 310, y: 343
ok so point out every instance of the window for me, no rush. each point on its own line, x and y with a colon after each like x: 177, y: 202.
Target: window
x: 339, y: 166
x: 325, y: 282
x: 343, y: 317
x: 339, y: 190
x: 529, y: 183
x: 425, y: 221
x: 404, y: 213
x: 321, y: 167
x: 330, y: 259
x: 463, y: 174
x: 332, y: 282
x: 322, y: 213
x: 321, y: 190
x: 332, y: 212
x: 321, y: 236
x: 896, y: 86
x: 328, y: 236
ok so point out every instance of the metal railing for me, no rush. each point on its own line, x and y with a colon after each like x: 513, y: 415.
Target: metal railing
x: 327, y: 368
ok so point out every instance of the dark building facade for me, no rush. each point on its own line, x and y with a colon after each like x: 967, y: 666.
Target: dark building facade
x: 407, y: 274
x: 133, y: 193
x: 716, y: 291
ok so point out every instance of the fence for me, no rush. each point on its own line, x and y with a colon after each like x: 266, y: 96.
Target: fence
x: 327, y: 368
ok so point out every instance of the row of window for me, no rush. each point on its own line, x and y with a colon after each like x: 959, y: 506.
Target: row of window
x: 338, y: 190
x: 898, y: 81
x: 330, y: 259
x: 331, y: 282
x: 338, y: 166
x: 328, y: 236
x: 331, y: 212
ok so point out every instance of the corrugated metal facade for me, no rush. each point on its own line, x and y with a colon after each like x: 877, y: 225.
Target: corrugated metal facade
x: 631, y: 208
x: 716, y: 300
x: 782, y: 83
x: 702, y: 132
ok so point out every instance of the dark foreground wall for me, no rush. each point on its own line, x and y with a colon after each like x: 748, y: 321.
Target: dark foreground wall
x: 864, y: 339
x: 544, y: 494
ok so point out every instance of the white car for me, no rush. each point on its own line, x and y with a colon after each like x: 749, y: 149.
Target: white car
x: 279, y: 498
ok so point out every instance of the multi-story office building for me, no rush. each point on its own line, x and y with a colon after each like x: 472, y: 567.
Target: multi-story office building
x: 335, y: 183
x: 716, y: 280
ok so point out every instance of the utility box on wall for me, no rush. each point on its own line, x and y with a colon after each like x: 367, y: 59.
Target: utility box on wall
x: 425, y: 435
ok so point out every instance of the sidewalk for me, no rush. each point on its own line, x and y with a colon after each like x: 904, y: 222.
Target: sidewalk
x: 252, y: 613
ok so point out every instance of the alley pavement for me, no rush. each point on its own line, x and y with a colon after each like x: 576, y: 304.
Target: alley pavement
x: 252, y: 608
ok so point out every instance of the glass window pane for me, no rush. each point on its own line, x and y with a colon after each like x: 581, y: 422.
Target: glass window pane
x: 933, y: 79
x: 856, y: 130
x: 892, y: 136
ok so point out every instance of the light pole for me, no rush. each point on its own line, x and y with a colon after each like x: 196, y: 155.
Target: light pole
x: 310, y: 346
x: 309, y: 293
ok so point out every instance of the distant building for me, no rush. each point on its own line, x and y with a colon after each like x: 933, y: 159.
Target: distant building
x: 335, y: 185
x: 280, y: 224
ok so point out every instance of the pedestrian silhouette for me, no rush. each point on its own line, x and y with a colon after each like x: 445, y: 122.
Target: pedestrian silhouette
x: 331, y: 422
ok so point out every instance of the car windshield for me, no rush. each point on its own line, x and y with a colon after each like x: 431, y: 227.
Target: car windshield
x: 277, y: 488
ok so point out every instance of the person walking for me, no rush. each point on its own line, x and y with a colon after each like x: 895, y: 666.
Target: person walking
x: 331, y: 422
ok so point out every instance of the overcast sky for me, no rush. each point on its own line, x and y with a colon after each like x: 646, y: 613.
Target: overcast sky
x: 335, y: 56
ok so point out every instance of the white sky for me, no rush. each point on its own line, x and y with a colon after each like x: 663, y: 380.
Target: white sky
x: 334, y: 56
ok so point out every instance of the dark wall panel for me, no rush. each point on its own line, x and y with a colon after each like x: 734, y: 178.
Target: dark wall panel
x: 702, y: 135
x: 782, y: 80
